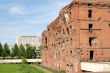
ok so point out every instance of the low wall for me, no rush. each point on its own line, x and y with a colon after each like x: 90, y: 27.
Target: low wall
x: 19, y: 61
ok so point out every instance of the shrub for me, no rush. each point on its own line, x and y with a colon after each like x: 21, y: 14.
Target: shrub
x: 24, y: 61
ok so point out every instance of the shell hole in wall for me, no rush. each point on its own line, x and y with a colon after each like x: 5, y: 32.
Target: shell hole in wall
x: 71, y: 51
x: 70, y: 26
x: 71, y: 39
x: 67, y: 30
x: 70, y: 13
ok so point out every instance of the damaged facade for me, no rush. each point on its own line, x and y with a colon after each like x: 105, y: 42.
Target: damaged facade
x: 80, y: 33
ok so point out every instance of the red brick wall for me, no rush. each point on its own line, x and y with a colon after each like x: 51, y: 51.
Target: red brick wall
x: 65, y: 44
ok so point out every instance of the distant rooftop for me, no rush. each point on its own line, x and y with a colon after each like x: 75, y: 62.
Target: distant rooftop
x: 28, y: 36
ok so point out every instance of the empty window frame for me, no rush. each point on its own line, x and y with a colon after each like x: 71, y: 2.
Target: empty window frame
x: 48, y: 29
x: 90, y: 40
x: 90, y: 27
x: 91, y: 55
x: 89, y: 13
x: 89, y: 4
x: 46, y: 40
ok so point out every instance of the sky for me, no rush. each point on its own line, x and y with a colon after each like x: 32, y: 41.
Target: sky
x: 27, y: 17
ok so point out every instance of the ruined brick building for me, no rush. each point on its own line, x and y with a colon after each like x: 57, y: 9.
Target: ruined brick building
x: 80, y: 33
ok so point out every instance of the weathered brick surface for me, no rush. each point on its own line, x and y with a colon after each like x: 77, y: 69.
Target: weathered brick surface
x: 74, y: 37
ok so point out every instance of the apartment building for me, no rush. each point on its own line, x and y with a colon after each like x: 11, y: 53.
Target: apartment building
x: 32, y: 40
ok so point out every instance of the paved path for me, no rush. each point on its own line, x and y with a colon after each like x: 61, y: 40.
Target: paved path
x: 45, y: 70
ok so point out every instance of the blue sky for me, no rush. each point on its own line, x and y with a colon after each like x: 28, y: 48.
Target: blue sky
x: 27, y: 17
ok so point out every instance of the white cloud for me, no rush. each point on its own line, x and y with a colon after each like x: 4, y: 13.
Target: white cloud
x: 16, y: 10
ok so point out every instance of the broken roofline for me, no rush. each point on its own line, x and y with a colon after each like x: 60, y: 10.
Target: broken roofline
x: 94, y: 1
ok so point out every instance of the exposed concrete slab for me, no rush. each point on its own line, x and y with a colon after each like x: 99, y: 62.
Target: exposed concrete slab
x: 96, y: 66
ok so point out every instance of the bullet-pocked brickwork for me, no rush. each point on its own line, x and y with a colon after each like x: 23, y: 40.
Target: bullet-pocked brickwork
x: 80, y: 33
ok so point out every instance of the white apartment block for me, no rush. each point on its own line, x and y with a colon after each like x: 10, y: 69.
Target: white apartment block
x: 32, y: 40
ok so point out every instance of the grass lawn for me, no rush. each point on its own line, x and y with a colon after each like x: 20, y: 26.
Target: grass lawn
x: 19, y: 68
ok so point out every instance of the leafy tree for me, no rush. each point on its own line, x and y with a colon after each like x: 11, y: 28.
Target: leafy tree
x: 1, y: 49
x: 34, y: 52
x: 28, y: 51
x: 11, y: 53
x: 6, y: 51
x: 15, y: 50
x: 22, y: 51
x: 38, y: 52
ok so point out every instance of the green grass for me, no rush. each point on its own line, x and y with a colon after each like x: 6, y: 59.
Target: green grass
x: 19, y: 68
x: 9, y: 68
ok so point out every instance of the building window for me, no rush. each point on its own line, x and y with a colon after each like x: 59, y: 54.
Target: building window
x: 67, y: 65
x: 89, y: 13
x: 89, y: 4
x: 91, y: 55
x: 90, y: 27
x: 46, y: 40
x: 90, y: 40
x: 48, y: 29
